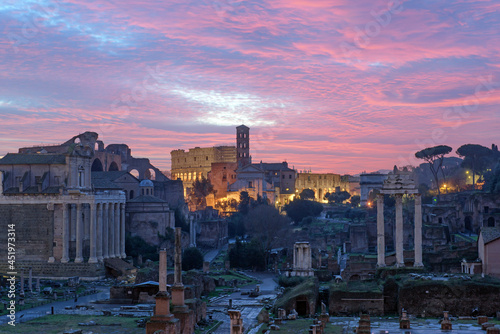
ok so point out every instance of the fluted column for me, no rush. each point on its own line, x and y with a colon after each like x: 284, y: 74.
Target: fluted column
x: 105, y: 217
x: 65, y: 234
x: 116, y: 240
x: 111, y: 230
x: 418, y: 231
x: 93, y: 232
x: 72, y: 222
x: 380, y: 231
x: 99, y: 232
x: 122, y: 231
x: 399, y: 231
x: 79, y: 234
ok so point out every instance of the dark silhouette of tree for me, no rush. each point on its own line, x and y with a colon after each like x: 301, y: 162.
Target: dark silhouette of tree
x: 476, y: 158
x: 247, y: 255
x: 199, y: 191
x: 298, y: 209
x: 307, y: 194
x: 337, y: 197
x: 244, y: 204
x: 265, y: 223
x: 434, y: 156
x: 192, y: 259
x: 355, y: 200
x: 492, y: 180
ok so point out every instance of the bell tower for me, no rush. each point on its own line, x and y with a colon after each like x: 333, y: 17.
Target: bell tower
x: 243, y: 145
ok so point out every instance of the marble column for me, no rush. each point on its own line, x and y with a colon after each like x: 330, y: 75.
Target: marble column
x: 192, y: 232
x: 111, y: 230
x: 118, y: 223
x: 93, y: 232
x: 399, y: 231
x: 163, y: 271
x: 105, y: 217
x: 99, y: 232
x: 65, y: 234
x: 73, y: 222
x: 79, y: 234
x: 418, y: 231
x: 380, y: 231
x: 122, y: 231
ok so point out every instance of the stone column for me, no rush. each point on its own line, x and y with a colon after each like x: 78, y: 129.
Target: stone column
x: 99, y: 232
x: 30, y: 279
x: 380, y: 231
x: 79, y: 234
x: 192, y: 232
x: 418, y: 231
x: 111, y: 230
x: 93, y: 232
x: 105, y: 219
x: 118, y: 222
x: 65, y: 234
x: 162, y: 281
x: 399, y: 231
x: 122, y: 231
x: 73, y: 222
x: 178, y: 287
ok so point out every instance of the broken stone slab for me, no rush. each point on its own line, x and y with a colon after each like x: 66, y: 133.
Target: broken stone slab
x: 73, y: 331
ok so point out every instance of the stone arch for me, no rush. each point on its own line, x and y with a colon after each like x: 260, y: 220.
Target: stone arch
x: 150, y: 174
x: 113, y: 167
x: 491, y: 222
x: 468, y: 223
x: 97, y: 166
x: 135, y: 173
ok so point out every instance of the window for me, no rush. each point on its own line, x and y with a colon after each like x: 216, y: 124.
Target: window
x: 290, y: 176
x: 486, y: 209
x: 194, y: 158
x: 81, y: 176
x: 206, y: 158
x: 283, y: 176
x: 250, y: 184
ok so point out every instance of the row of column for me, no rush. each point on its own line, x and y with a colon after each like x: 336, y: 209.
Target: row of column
x: 302, y: 256
x: 399, y: 231
x: 107, y: 231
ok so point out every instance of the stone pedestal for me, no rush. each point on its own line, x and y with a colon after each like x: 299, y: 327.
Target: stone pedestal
x: 163, y: 320
x: 364, y: 325
x: 186, y: 318
x: 493, y: 330
x: 446, y: 323
x: 481, y: 319
x: 404, y: 321
x: 236, y: 323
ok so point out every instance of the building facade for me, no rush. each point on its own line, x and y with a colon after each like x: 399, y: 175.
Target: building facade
x: 321, y: 184
x: 58, y: 216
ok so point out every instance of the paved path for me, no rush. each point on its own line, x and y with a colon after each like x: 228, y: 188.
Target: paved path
x: 249, y: 306
x: 40, y: 311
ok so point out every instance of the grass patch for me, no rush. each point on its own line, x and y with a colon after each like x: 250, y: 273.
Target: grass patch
x: 55, y: 324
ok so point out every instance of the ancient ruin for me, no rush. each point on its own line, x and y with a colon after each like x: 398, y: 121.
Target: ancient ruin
x: 398, y: 184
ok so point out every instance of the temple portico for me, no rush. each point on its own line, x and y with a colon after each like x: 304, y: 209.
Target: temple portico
x: 398, y: 184
x: 91, y: 227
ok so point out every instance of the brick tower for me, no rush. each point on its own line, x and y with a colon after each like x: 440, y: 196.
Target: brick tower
x: 243, y: 145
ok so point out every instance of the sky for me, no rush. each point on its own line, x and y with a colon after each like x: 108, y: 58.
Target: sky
x: 336, y: 86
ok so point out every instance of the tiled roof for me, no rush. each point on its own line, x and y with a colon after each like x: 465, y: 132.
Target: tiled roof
x: 490, y: 233
x: 273, y: 166
x: 113, y: 175
x: 146, y: 199
x: 33, y: 159
x: 104, y: 183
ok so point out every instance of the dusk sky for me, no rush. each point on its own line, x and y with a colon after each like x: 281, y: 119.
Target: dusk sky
x: 332, y: 85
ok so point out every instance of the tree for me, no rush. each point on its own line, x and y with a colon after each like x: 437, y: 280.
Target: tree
x: 200, y: 190
x: 244, y: 204
x: 192, y: 259
x: 337, y: 197
x: 307, y: 194
x: 434, y: 156
x: 299, y: 208
x: 265, y: 223
x: 355, y: 200
x: 475, y: 158
x: 492, y: 180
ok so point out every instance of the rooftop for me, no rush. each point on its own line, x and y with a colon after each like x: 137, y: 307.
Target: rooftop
x: 33, y: 159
